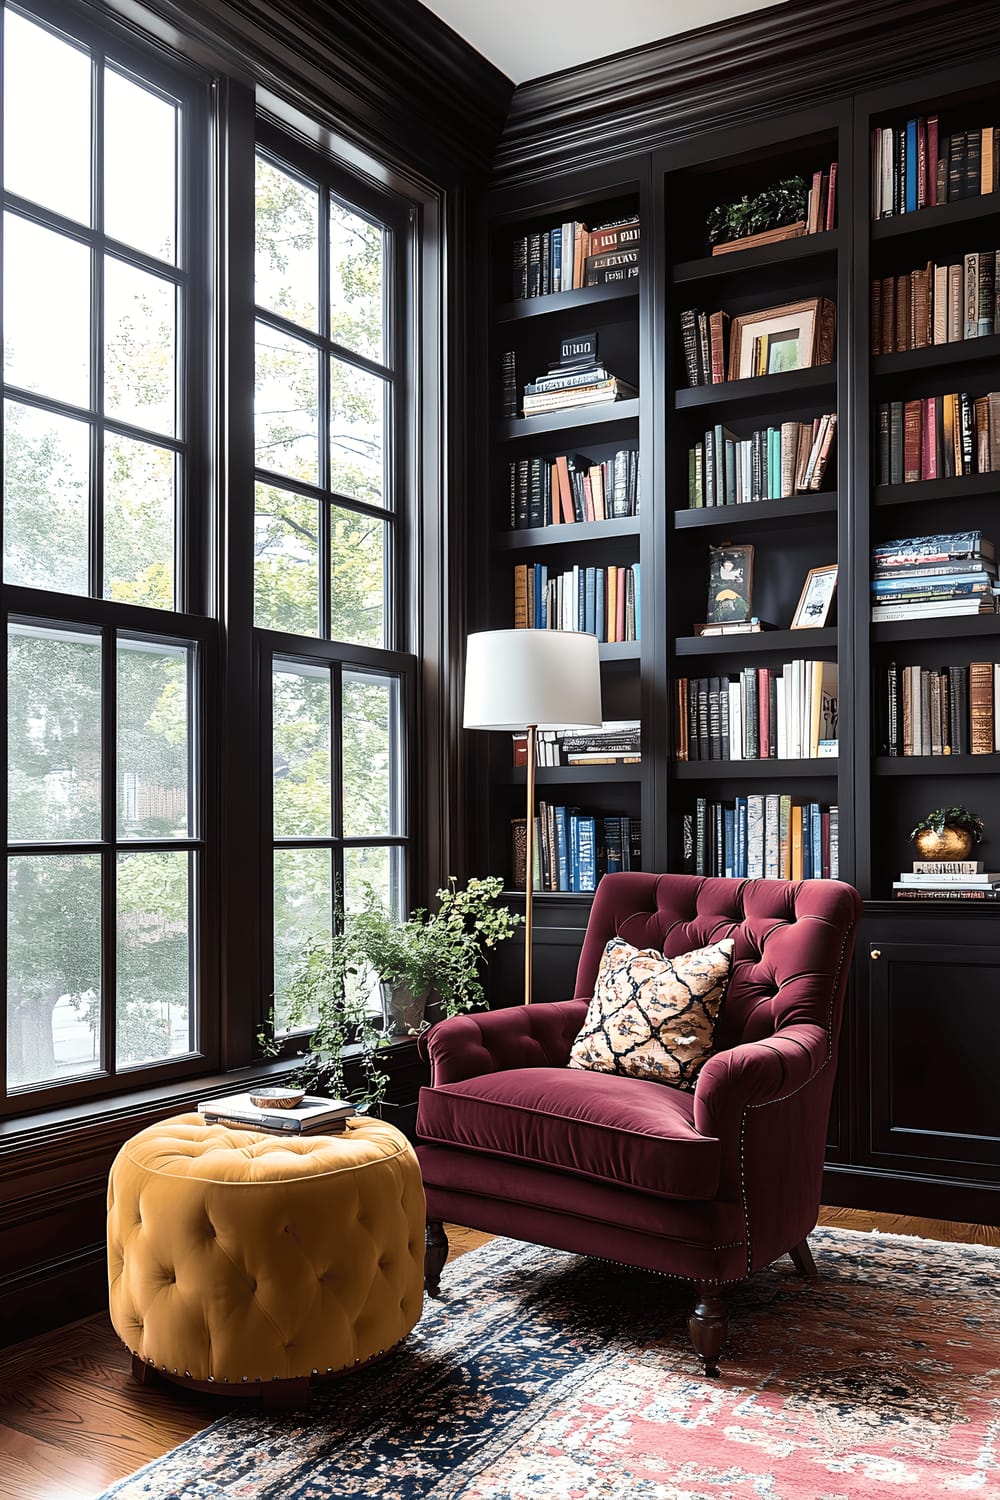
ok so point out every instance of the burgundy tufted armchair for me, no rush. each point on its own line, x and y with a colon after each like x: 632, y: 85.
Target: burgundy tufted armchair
x: 706, y: 1186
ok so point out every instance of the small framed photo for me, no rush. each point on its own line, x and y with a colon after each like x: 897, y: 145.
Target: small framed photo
x: 774, y: 340
x: 813, y: 608
x: 730, y: 584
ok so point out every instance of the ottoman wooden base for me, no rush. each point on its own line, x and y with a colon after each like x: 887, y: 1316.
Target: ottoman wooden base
x: 279, y: 1395
x: 246, y: 1264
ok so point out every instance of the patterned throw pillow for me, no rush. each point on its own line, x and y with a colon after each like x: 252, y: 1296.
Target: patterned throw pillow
x: 654, y: 1017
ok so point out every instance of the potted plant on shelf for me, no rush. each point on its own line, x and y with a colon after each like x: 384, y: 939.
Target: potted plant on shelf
x: 776, y: 213
x: 440, y: 954
x: 948, y: 833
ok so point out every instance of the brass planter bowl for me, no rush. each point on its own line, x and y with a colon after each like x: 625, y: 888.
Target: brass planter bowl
x: 950, y: 843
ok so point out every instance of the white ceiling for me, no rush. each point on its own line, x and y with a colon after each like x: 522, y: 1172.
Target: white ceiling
x: 528, y: 38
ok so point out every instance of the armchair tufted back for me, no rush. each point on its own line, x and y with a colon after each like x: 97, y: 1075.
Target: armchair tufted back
x: 791, y: 940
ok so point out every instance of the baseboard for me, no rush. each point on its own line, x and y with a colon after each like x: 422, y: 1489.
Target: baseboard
x: 53, y: 1293
x: 919, y: 1197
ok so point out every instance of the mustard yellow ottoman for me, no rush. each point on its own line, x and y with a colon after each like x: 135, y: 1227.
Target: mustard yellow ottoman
x: 251, y: 1263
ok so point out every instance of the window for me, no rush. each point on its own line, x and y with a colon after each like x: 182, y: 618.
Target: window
x: 328, y: 435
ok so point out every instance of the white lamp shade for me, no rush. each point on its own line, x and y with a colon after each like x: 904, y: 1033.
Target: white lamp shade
x: 549, y: 678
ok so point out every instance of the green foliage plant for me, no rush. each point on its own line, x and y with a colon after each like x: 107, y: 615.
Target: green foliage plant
x: 782, y: 203
x: 951, y: 817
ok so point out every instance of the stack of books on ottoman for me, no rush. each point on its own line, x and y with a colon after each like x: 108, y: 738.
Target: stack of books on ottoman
x: 948, y: 880
x: 576, y: 378
x: 284, y: 1110
x: 952, y: 573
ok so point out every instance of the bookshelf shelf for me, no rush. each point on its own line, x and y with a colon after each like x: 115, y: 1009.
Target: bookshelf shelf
x: 760, y: 390
x: 568, y: 535
x: 609, y: 414
x: 962, y: 627
x: 942, y: 216
x: 563, y: 302
x: 573, y: 775
x: 942, y: 357
x: 749, y: 770
x: 807, y: 247
x: 936, y: 765
x: 957, y: 488
x: 760, y: 513
x: 612, y: 651
x: 772, y: 642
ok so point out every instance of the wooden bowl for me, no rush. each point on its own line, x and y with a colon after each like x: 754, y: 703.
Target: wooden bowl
x: 277, y: 1098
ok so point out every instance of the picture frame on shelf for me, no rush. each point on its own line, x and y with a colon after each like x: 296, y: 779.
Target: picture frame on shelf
x: 816, y: 599
x: 774, y: 340
x: 730, y: 584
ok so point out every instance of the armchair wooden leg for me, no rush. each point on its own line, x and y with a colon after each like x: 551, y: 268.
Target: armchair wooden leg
x: 708, y: 1326
x: 435, y: 1255
x: 802, y: 1259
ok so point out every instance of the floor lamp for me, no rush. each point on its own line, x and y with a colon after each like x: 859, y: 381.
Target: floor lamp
x: 529, y: 680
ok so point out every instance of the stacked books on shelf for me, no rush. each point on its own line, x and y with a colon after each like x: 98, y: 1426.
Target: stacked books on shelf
x: 952, y: 573
x: 936, y: 305
x: 557, y: 491
x: 312, y: 1116
x: 572, y: 256
x: 606, y: 602
x: 573, y: 849
x: 940, y: 711
x: 773, y: 341
x: 762, y: 714
x: 947, y: 880
x: 616, y: 742
x: 576, y: 378
x: 764, y: 836
x: 774, y: 463
x: 938, y: 437
x: 917, y: 166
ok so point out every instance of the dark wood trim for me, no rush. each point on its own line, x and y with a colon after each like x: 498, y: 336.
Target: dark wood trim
x: 726, y: 75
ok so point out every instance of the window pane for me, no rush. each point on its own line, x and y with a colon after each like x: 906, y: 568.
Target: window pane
x: 357, y: 257
x: 286, y: 562
x: 139, y: 511
x: 46, y: 152
x: 382, y: 869
x: 53, y: 967
x: 357, y: 433
x: 140, y: 338
x: 357, y: 578
x: 154, y: 1011
x: 301, y: 751
x: 153, y: 741
x: 46, y: 488
x: 370, y: 716
x: 140, y: 167
x: 303, y: 905
x: 46, y: 311
x: 286, y: 426
x: 53, y: 734
x: 287, y: 245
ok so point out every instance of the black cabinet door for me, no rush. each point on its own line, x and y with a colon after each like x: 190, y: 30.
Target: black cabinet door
x: 933, y: 1055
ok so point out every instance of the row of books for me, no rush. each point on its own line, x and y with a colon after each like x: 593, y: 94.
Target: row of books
x: 791, y: 337
x: 569, y: 488
x: 605, y: 602
x: 940, y: 710
x: 617, y: 742
x: 936, y: 304
x: 938, y: 437
x: 949, y: 573
x: 572, y: 256
x: 915, y: 166
x: 764, y: 836
x: 763, y: 714
x: 772, y: 464
x: 573, y: 849
x: 947, y: 880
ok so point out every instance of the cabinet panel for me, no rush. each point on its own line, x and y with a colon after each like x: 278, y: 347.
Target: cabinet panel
x: 934, y: 1040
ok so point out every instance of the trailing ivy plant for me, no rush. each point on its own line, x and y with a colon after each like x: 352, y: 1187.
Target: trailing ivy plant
x: 951, y: 817
x: 782, y: 203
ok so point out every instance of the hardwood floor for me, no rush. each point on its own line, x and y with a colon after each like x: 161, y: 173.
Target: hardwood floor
x: 72, y: 1420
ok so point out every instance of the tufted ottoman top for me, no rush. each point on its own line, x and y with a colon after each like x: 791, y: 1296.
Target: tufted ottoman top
x: 187, y: 1147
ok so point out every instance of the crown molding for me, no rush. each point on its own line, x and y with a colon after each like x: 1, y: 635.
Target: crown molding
x: 798, y: 54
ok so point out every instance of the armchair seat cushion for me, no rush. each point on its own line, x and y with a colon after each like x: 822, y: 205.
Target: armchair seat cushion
x: 628, y: 1131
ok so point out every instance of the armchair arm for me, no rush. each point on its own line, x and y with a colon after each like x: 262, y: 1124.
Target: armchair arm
x: 756, y: 1073
x: 524, y: 1036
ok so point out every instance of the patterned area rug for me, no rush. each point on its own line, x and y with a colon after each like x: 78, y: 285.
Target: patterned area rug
x: 544, y: 1376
